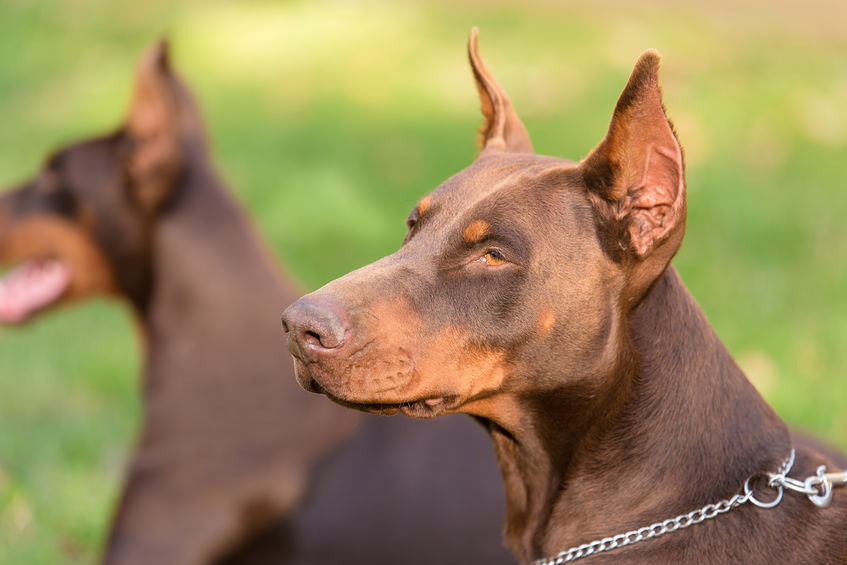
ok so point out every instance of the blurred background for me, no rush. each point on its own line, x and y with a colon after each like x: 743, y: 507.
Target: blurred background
x: 330, y: 119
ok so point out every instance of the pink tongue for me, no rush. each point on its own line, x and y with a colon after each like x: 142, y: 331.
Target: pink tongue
x: 31, y: 287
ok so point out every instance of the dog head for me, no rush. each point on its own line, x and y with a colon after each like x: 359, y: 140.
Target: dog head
x: 515, y: 277
x: 82, y: 225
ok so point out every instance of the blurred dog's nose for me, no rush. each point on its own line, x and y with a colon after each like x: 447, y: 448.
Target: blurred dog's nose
x: 313, y: 327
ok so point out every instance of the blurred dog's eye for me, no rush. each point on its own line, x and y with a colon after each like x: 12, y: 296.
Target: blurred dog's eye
x: 492, y: 258
x: 48, y: 183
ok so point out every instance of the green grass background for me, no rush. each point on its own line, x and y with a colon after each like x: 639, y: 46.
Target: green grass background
x: 329, y: 119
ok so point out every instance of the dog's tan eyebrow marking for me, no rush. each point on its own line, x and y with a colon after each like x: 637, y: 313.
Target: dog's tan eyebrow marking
x: 476, y: 231
x: 423, y: 204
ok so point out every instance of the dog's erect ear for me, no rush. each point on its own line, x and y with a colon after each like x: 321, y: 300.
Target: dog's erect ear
x: 502, y: 130
x: 638, y: 168
x: 163, y: 123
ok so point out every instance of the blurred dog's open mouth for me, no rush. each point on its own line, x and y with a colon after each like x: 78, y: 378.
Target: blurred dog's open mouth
x: 30, y: 287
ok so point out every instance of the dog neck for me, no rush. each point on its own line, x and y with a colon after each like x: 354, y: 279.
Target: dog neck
x: 216, y: 366
x: 676, y: 426
x: 209, y: 265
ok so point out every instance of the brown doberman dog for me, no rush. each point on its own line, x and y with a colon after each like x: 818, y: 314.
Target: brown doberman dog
x: 235, y: 464
x: 535, y: 294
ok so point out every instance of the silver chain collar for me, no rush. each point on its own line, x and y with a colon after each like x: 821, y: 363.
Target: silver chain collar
x: 818, y: 488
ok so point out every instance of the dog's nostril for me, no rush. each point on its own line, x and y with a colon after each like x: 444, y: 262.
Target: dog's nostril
x: 315, y: 325
x: 326, y: 336
x: 312, y: 338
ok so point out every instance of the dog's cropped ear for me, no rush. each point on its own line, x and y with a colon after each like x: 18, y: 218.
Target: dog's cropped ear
x: 502, y: 130
x: 162, y: 125
x: 638, y: 170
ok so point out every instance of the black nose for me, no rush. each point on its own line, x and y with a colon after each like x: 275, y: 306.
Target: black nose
x: 313, y: 326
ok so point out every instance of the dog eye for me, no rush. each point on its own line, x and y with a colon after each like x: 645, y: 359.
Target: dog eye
x: 492, y: 258
x: 411, y: 222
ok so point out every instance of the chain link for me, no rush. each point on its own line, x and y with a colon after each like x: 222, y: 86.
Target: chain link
x: 818, y: 488
x: 775, y: 480
x: 648, y: 532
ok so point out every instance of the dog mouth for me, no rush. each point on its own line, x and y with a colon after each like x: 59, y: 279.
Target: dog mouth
x: 424, y: 408
x: 31, y: 287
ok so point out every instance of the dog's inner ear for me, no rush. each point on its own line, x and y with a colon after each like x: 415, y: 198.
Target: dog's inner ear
x: 162, y: 124
x: 502, y: 129
x: 638, y: 168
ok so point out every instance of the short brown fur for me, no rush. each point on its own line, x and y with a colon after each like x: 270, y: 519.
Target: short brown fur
x: 611, y: 402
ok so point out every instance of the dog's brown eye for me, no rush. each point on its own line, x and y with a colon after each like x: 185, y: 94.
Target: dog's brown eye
x: 412, y: 219
x: 411, y: 222
x: 492, y: 258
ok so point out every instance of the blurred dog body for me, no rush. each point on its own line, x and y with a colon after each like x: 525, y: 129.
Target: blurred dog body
x: 235, y: 464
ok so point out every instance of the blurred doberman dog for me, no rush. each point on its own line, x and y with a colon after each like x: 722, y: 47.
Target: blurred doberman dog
x: 535, y: 294
x: 236, y: 464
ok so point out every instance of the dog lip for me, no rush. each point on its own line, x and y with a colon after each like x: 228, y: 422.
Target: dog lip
x: 308, y: 375
x: 427, y: 408
x: 305, y: 379
x: 370, y: 408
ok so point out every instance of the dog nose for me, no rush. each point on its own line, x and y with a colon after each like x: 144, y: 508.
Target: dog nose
x: 313, y: 326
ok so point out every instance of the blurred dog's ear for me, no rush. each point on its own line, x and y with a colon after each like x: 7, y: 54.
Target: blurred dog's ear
x: 162, y: 125
x: 502, y: 129
x: 637, y: 174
